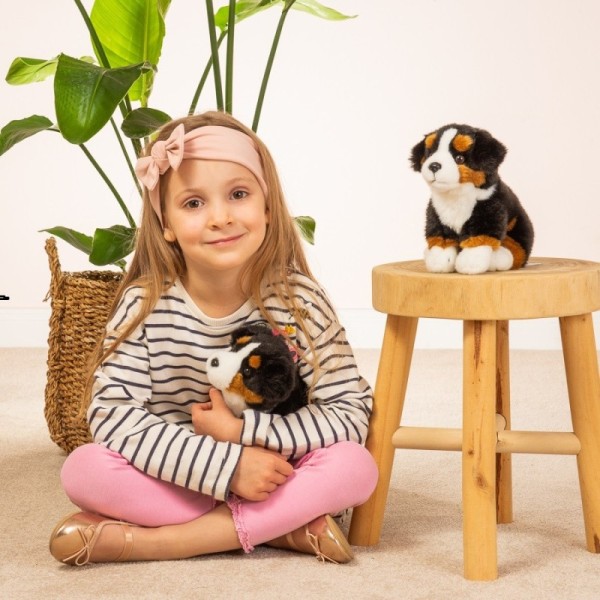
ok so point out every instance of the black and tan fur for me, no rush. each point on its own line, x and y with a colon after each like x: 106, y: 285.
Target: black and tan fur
x: 258, y: 371
x: 474, y: 221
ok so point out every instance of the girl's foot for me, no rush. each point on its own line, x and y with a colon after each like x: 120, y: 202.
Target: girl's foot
x: 75, y: 540
x: 321, y: 537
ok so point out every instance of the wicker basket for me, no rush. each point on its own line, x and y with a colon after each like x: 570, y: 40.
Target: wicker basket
x: 80, y: 303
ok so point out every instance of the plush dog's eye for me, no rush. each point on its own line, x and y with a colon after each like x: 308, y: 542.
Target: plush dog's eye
x: 459, y: 159
x: 246, y: 371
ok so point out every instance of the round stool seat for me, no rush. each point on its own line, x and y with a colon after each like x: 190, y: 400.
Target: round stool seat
x: 546, y: 287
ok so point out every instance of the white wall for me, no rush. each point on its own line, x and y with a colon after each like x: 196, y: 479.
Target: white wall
x: 347, y: 102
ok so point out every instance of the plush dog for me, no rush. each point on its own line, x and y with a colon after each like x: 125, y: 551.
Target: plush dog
x: 474, y: 221
x: 259, y: 371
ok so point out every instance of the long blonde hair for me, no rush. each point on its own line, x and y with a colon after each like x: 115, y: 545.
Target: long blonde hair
x: 157, y: 264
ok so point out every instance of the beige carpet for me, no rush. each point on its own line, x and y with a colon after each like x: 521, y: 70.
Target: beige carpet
x: 541, y: 555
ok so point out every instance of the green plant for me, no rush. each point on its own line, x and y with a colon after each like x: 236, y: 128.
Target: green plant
x: 127, y: 40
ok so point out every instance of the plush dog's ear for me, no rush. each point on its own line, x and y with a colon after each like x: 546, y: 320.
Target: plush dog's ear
x: 243, y: 334
x: 417, y: 155
x: 487, y: 153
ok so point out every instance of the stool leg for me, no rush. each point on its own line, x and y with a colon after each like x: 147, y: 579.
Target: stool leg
x: 479, y: 450
x: 390, y: 389
x: 583, y: 382
x: 504, y: 512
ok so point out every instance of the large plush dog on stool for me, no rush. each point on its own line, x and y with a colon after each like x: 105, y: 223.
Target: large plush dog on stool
x: 475, y: 223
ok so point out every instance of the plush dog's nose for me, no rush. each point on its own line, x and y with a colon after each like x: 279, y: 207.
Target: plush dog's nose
x: 214, y: 362
x: 435, y: 166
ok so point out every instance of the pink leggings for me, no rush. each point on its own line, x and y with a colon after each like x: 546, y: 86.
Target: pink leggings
x: 325, y: 481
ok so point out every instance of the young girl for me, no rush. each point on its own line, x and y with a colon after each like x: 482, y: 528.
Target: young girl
x: 172, y: 473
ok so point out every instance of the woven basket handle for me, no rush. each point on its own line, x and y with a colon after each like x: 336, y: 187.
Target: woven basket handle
x: 55, y: 270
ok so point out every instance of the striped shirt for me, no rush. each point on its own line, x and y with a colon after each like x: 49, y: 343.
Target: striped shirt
x: 143, y: 393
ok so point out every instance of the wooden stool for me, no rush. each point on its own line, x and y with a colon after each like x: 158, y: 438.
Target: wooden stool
x: 547, y: 287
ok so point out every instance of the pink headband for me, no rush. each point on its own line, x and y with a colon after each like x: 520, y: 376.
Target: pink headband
x: 208, y: 143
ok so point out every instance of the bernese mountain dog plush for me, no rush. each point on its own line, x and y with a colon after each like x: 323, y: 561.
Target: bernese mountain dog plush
x: 474, y: 221
x: 258, y: 370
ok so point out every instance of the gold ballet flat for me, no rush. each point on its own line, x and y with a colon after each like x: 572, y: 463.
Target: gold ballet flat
x: 75, y: 536
x: 321, y: 537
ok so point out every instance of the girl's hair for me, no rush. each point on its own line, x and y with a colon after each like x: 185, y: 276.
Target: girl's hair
x: 156, y: 263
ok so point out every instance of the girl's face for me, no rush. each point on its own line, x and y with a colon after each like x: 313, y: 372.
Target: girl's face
x: 216, y: 211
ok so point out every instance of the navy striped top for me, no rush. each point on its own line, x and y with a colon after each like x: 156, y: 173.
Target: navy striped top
x: 144, y: 391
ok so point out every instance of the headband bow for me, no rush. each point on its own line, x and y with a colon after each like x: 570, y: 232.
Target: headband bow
x: 211, y: 142
x: 164, y: 154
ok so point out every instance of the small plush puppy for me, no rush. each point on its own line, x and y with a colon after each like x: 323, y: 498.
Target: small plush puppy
x: 475, y: 223
x: 258, y: 371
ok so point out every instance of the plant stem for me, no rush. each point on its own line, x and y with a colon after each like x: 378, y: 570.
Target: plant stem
x: 204, y: 77
x: 95, y: 39
x: 214, y: 51
x: 265, y: 81
x: 110, y: 185
x: 229, y: 63
x: 126, y: 155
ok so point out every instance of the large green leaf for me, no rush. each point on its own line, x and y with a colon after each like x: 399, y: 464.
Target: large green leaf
x: 107, y: 247
x: 78, y: 240
x: 30, y: 70
x: 111, y: 245
x: 132, y: 32
x: 86, y: 95
x: 143, y: 122
x: 248, y: 8
x: 243, y: 10
x: 318, y: 10
x: 17, y: 131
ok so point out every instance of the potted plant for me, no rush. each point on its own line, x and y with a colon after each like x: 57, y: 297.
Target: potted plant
x: 113, y: 90
x: 127, y: 40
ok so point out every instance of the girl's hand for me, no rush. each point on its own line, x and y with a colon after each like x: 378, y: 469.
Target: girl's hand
x: 215, y: 419
x: 259, y: 473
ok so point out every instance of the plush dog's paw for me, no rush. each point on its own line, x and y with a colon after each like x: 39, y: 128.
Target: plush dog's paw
x: 471, y: 261
x: 440, y: 260
x: 502, y: 260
